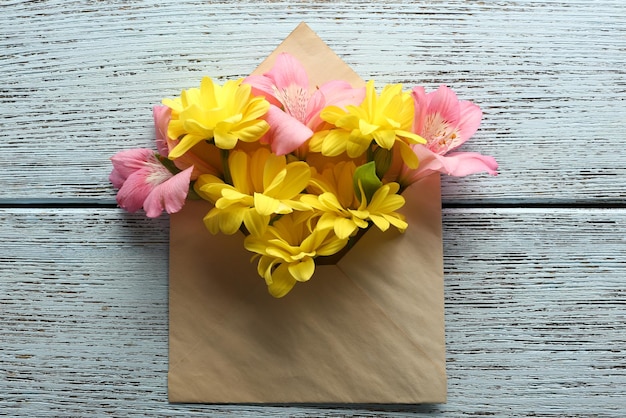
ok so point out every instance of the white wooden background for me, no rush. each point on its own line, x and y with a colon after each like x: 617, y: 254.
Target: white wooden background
x: 535, y: 259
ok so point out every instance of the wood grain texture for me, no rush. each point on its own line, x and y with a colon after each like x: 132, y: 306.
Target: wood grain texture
x: 79, y: 79
x: 535, y: 316
x: 535, y: 259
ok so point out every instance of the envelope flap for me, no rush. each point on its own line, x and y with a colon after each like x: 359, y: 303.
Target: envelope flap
x: 321, y: 62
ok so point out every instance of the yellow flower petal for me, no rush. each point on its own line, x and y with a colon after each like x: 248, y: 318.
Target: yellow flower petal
x: 335, y: 142
x: 367, y: 128
x: 390, y: 203
x: 238, y: 164
x: 397, y: 221
x: 228, y: 222
x: 330, y: 202
x: 331, y: 246
x: 357, y: 145
x: 224, y: 139
x: 303, y: 270
x: 255, y: 223
x: 282, y: 282
x: 411, y: 137
x: 408, y: 155
x: 327, y: 221
x: 294, y: 180
x: 274, y: 166
x: 206, y: 95
x: 175, y: 104
x: 185, y: 144
x: 369, y: 103
x: 385, y: 138
x: 257, y: 108
x: 265, y: 267
x: 209, y: 187
x: 265, y: 205
x: 390, y: 99
x: 188, y: 97
x: 175, y: 129
x: 212, y: 222
x: 251, y: 131
x: 331, y: 114
x: 240, y: 91
x: 298, y: 205
x: 195, y: 115
x: 380, y: 222
x: 316, y: 142
x: 233, y: 197
x: 279, y: 249
x: 344, y: 227
x: 385, y: 199
x: 258, y: 245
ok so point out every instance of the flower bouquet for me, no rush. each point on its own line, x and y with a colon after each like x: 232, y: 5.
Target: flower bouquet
x: 295, y: 168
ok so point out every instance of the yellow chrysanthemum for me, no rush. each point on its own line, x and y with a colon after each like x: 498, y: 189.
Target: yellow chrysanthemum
x: 263, y: 184
x: 343, y: 212
x: 386, y: 119
x: 287, y: 250
x: 333, y: 195
x: 225, y: 114
x: 381, y: 210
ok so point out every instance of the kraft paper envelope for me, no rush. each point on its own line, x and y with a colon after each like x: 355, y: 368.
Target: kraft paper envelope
x: 369, y: 329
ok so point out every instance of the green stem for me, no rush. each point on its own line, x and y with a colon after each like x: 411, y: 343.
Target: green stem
x: 224, y: 157
x: 370, y: 152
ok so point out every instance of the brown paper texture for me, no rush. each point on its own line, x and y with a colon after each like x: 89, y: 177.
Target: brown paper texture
x: 369, y: 329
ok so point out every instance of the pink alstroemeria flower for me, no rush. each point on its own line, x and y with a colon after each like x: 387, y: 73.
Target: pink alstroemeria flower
x: 446, y: 123
x: 295, y: 111
x: 143, y: 181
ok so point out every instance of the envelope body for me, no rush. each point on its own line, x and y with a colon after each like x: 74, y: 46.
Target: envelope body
x: 369, y: 329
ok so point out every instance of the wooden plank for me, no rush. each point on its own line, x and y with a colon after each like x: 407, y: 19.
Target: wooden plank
x: 79, y: 79
x: 535, y: 310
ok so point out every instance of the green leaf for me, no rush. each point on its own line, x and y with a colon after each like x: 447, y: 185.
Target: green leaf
x: 366, y: 176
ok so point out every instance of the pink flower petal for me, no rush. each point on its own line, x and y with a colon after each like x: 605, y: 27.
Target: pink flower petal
x: 116, y: 179
x: 444, y: 101
x: 465, y: 163
x: 286, y: 132
x: 457, y: 164
x: 127, y: 162
x: 134, y: 191
x: 340, y: 93
x: 162, y: 115
x: 169, y: 195
x: 263, y: 86
x: 287, y: 71
x: 277, y: 85
x: 469, y: 121
x: 421, y: 108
